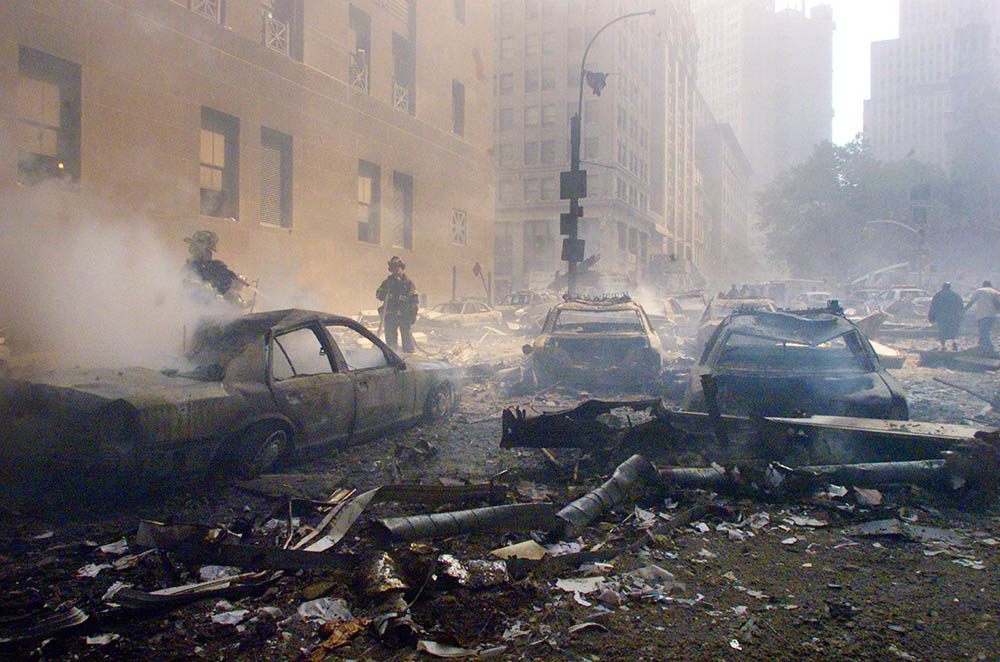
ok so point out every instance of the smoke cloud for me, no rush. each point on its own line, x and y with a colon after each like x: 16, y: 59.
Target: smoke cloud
x: 83, y: 287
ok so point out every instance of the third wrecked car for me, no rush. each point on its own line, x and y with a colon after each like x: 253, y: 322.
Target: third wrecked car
x: 601, y: 342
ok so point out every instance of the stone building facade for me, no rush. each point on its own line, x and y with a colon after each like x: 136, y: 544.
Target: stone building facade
x: 316, y: 138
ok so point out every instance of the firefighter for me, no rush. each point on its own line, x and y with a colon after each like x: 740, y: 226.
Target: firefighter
x: 400, y: 302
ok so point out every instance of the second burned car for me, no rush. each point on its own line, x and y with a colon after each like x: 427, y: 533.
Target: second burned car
x: 789, y: 363
x: 596, y: 342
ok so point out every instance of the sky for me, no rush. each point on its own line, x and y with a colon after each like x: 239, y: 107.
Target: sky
x: 858, y: 23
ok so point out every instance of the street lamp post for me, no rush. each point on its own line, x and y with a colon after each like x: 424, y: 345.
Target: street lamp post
x: 921, y: 240
x: 573, y: 183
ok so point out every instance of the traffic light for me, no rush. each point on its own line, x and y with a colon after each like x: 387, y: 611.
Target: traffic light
x: 596, y: 81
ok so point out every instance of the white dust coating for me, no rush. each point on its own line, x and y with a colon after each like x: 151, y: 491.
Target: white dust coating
x: 82, y: 287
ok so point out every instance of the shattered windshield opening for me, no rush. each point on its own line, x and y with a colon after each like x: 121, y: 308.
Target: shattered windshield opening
x: 593, y: 321
x: 749, y: 351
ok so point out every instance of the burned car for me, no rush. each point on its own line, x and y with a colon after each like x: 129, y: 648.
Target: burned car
x: 596, y: 342
x: 718, y: 308
x: 790, y: 363
x: 262, y: 386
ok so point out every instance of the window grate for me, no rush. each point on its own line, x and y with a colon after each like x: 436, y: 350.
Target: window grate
x: 359, y: 70
x: 210, y: 9
x: 400, y: 96
x: 458, y: 229
x: 275, y: 34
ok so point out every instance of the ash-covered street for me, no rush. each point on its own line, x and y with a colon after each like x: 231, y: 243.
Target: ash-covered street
x: 669, y: 573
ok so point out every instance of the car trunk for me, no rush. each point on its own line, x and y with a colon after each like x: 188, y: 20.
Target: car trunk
x: 844, y: 394
x: 599, y: 352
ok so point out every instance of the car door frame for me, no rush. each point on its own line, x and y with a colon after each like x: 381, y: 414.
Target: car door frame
x: 363, y: 378
x: 338, y: 374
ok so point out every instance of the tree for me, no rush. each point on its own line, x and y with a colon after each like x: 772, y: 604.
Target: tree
x: 816, y: 217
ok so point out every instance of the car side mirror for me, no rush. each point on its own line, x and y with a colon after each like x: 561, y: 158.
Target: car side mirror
x: 527, y: 349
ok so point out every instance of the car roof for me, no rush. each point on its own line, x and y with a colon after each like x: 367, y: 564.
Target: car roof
x: 810, y: 327
x: 596, y: 306
x: 277, y: 320
x: 224, y: 336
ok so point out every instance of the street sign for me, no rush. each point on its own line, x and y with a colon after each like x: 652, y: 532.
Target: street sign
x: 572, y: 250
x: 573, y: 184
x: 568, y: 223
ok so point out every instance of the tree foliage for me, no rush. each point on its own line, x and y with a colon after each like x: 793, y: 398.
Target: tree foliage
x: 817, y: 217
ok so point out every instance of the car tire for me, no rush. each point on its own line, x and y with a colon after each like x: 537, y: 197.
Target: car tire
x: 440, y: 402
x: 259, y: 448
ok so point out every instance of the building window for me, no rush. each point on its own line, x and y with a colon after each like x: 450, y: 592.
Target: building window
x: 369, y: 202
x: 622, y: 234
x: 530, y: 188
x: 361, y: 26
x: 508, y: 153
x: 548, y: 152
x: 548, y: 114
x: 275, y: 178
x: 506, y: 119
x: 590, y: 146
x: 402, y: 210
x: 506, y: 48
x: 403, y: 92
x: 548, y: 78
x: 508, y: 189
x: 530, y: 116
x: 530, y: 152
x: 530, y: 80
x: 460, y: 11
x: 531, y: 8
x: 531, y: 44
x: 548, y: 189
x: 48, y: 117
x: 549, y: 41
x: 220, y: 161
x: 458, y: 226
x: 506, y: 83
x: 590, y: 111
x: 458, y: 107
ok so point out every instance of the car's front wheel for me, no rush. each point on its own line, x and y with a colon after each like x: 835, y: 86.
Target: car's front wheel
x: 440, y: 402
x: 259, y: 448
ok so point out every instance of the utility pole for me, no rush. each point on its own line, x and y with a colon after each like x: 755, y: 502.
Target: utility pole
x: 573, y: 182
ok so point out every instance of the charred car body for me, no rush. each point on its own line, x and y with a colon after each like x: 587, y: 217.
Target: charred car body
x: 263, y: 385
x: 596, y: 342
x: 789, y: 363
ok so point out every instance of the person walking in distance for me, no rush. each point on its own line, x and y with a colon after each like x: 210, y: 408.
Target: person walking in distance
x: 400, y: 302
x: 946, y: 311
x: 984, y: 304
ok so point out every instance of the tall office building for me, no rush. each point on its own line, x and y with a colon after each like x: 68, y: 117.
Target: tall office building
x: 769, y: 76
x: 803, y: 94
x: 922, y: 81
x: 638, y: 135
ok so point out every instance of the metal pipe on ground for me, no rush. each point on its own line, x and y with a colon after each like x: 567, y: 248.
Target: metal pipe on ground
x: 633, y: 474
x: 508, y: 518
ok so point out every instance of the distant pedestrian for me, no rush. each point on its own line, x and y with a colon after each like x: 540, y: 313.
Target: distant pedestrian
x: 946, y: 311
x: 400, y: 302
x: 984, y: 304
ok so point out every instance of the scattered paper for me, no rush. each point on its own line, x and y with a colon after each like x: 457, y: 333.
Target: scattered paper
x: 325, y: 609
